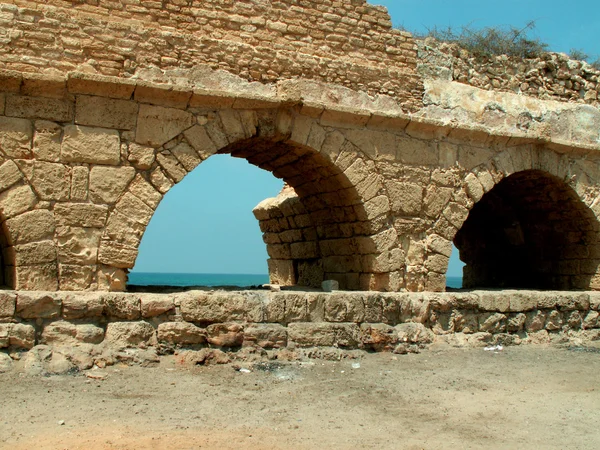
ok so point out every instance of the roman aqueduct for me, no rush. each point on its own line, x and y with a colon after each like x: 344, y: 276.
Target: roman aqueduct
x: 392, y: 149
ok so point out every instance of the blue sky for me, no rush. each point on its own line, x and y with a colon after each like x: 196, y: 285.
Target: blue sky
x: 205, y: 223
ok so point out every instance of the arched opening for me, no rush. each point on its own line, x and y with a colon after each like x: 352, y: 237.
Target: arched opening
x: 530, y: 231
x: 318, y: 228
x: 203, y: 233
x: 454, y: 274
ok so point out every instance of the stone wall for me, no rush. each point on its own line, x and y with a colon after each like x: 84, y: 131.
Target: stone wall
x: 348, y: 43
x: 551, y: 76
x: 83, y: 324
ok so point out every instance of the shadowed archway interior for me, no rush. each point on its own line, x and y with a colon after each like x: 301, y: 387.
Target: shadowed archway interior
x: 530, y: 231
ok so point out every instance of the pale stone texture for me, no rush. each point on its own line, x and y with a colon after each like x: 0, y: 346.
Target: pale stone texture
x: 157, y: 125
x: 15, y: 137
x: 91, y: 145
x: 77, y: 245
x: 181, y: 333
x: 16, y: 200
x: 105, y: 112
x: 129, y: 334
x: 141, y: 156
x: 106, y: 184
x: 81, y: 215
x: 47, y: 140
x: 9, y: 175
x: 79, y: 183
x: 74, y: 277
x: 35, y: 306
x: 50, y: 181
x: 66, y: 333
x: 57, y: 110
x: 43, y: 277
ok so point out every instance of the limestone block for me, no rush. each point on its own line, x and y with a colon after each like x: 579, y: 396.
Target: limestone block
x: 21, y: 336
x: 465, y: 322
x: 79, y: 183
x: 225, y: 334
x: 265, y: 336
x: 345, y: 307
x: 50, y: 181
x: 232, y: 125
x: 81, y: 306
x: 66, y: 333
x: 554, y: 321
x: 171, y: 166
x: 8, y: 302
x: 122, y: 306
x: 57, y: 110
x: 500, y: 301
x: 492, y: 322
x: 145, y: 191
x: 590, y: 320
x: 108, y: 183
x: 414, y: 333
x: 186, y: 155
x: 281, y: 272
x: 33, y: 253
x: 202, y: 307
x: 199, y: 139
x: 162, y: 94
x: 38, y: 305
x: 40, y: 277
x: 44, y: 85
x: 105, y: 112
x: 376, y: 207
x: 156, y: 305
x: 5, y: 334
x: 111, y: 279
x: 216, y: 133
x: 117, y: 255
x: 436, y: 199
x: 91, y: 145
x: 522, y: 301
x: 31, y: 226
x: 304, y: 250
x: 129, y: 334
x: 77, y: 245
x: 46, y: 141
x: 406, y: 198
x: 181, y: 333
x: 101, y: 85
x: 535, y: 321
x: 568, y: 301
x: 438, y: 244
x: 378, y: 336
x: 343, y: 335
x: 417, y: 152
x: 9, y: 175
x: 456, y: 214
x: 516, y: 323
x: 134, y: 208
x: 141, y: 156
x: 15, y: 137
x: 474, y: 188
x: 157, y: 125
x: 160, y: 181
x: 437, y: 263
x: 124, y: 230
x: 80, y: 215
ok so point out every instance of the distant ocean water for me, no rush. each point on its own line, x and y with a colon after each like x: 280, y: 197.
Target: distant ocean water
x: 195, y: 279
x: 217, y: 279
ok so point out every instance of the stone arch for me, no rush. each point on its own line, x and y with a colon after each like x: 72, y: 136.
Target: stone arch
x: 530, y: 230
x: 331, y: 226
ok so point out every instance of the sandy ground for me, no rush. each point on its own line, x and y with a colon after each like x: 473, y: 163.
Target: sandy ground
x: 521, y: 397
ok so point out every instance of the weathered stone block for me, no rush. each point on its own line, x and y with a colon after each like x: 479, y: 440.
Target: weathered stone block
x: 522, y: 301
x: 207, y: 308
x: 142, y: 157
x: 117, y: 255
x: 157, y: 125
x: 199, y: 139
x: 73, y: 277
x: 34, y: 305
x: 492, y: 323
x: 111, y: 279
x: 46, y: 141
x: 134, y: 208
x: 77, y: 245
x: 464, y: 322
x: 181, y: 333
x: 501, y: 301
x: 129, y: 334
x: 344, y: 307
x: 5, y: 334
x: 79, y: 183
x: 16, y: 200
x: 122, y: 306
x: 82, y: 306
x: 535, y: 321
x: 40, y: 277
x: 186, y: 155
x: 8, y: 302
x: 105, y: 112
x: 414, y: 333
x: 324, y: 334
x: 31, y: 226
x: 106, y: 184
x: 379, y: 337
x: 281, y: 272
x: 91, y: 145
x: 9, y: 174
x: 554, y: 321
x: 21, y: 336
x: 101, y: 85
x: 57, y: 110
x: 225, y: 334
x: 50, y: 181
x: 34, y: 253
x: 266, y: 336
x: 156, y: 305
x: 80, y: 215
x: 406, y: 198
x: 66, y: 333
x: 591, y: 320
x: 15, y: 137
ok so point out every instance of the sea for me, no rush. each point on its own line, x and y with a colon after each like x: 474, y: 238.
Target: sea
x: 218, y: 279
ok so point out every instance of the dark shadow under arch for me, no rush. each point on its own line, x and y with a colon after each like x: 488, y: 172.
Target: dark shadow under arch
x: 530, y: 231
